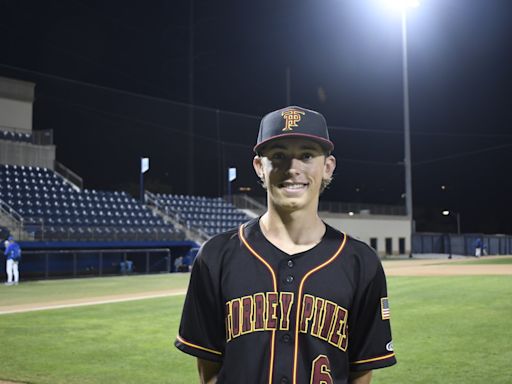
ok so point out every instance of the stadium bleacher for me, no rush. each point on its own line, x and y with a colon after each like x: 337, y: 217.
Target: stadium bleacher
x: 15, y: 136
x: 208, y: 215
x: 56, y: 210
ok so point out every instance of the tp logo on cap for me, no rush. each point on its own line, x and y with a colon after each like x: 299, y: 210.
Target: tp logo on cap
x: 312, y: 127
x: 291, y: 118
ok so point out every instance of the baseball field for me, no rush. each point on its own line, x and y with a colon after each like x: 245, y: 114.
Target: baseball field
x: 452, y: 323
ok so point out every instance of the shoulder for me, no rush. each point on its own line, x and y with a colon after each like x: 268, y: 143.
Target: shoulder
x: 215, y: 248
x: 362, y: 249
x: 361, y: 255
x: 218, y: 242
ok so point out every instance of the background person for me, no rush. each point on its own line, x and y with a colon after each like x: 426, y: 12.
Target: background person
x: 13, y: 255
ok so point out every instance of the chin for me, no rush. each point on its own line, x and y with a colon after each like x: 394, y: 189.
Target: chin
x: 288, y: 204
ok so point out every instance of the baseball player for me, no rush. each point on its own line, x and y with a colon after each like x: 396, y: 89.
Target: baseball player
x: 286, y: 298
x: 13, y: 254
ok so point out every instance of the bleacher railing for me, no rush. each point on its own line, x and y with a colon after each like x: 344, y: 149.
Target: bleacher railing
x: 68, y: 174
x: 14, y: 218
x: 43, y: 137
x: 103, y: 233
x: 189, y: 232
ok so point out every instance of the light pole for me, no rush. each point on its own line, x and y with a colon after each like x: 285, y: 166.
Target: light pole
x: 457, y: 217
x: 403, y: 6
x: 407, y: 130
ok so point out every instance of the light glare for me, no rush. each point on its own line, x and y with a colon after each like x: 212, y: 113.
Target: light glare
x: 402, y: 5
x: 446, y: 213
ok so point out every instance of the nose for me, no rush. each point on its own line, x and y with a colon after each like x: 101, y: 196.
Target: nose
x: 294, y: 166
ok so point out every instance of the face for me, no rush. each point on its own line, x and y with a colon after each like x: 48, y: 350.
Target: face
x: 292, y: 171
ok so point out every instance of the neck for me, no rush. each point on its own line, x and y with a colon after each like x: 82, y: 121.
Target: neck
x: 300, y: 227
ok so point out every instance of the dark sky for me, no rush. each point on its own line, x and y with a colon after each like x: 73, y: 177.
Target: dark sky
x: 113, y: 83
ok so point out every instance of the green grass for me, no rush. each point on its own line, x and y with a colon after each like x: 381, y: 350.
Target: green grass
x: 446, y: 330
x: 56, y: 290
x: 129, y: 342
x: 450, y: 330
x: 500, y: 261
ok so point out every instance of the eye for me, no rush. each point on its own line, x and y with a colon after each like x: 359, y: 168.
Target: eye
x: 277, y: 156
x: 307, y: 156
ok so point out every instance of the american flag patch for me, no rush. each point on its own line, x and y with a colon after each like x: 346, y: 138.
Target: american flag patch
x: 384, y: 308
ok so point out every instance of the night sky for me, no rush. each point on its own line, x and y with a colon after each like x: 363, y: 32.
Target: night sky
x: 113, y: 83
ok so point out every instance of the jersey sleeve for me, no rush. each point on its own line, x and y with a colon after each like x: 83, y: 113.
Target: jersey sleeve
x: 202, y: 331
x: 370, y: 342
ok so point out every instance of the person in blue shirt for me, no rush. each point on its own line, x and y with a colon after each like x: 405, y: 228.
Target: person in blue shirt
x: 13, y: 255
x: 479, y: 247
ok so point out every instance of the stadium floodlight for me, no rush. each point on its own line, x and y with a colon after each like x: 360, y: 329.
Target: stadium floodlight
x: 457, y: 217
x: 402, y: 5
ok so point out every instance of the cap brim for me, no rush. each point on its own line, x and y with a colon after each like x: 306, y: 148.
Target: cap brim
x: 324, y: 143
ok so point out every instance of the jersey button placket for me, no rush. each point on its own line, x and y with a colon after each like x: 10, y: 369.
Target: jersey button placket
x: 285, y: 340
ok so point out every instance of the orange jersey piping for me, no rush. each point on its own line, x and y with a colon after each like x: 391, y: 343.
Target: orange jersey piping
x: 183, y: 341
x: 299, y: 303
x: 274, y: 281
x: 374, y: 359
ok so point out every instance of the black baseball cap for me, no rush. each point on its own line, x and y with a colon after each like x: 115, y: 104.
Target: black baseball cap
x: 293, y: 121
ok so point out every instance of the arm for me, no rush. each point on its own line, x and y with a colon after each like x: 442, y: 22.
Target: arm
x: 364, y: 377
x: 208, y: 371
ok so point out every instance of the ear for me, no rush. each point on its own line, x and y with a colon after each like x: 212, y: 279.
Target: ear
x: 329, y: 166
x: 258, y: 166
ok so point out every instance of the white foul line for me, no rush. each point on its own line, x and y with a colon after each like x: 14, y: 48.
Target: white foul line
x: 96, y: 302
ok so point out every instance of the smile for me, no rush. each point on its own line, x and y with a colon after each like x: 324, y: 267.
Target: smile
x: 293, y: 186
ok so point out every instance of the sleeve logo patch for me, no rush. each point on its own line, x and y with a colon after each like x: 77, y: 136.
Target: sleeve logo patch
x: 389, y: 346
x: 384, y: 308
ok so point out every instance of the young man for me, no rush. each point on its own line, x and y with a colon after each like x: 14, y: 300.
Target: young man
x: 13, y: 254
x: 287, y: 298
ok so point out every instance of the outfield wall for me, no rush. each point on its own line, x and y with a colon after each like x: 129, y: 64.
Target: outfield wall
x: 46, y: 260
x: 388, y: 235
x: 463, y: 244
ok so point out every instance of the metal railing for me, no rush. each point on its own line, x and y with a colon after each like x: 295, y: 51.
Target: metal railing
x: 69, y: 175
x: 100, y: 233
x: 43, y: 137
x: 174, y: 218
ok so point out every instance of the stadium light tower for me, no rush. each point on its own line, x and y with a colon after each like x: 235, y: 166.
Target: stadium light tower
x: 457, y: 217
x: 403, y: 6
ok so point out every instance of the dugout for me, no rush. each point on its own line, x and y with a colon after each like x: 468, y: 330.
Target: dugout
x: 48, y: 260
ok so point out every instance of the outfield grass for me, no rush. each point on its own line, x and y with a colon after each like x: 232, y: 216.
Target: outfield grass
x: 450, y: 330
x: 58, y: 290
x: 505, y: 260
x: 446, y: 330
x: 130, y: 342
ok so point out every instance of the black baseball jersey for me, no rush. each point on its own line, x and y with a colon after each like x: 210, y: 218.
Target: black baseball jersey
x: 271, y: 317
